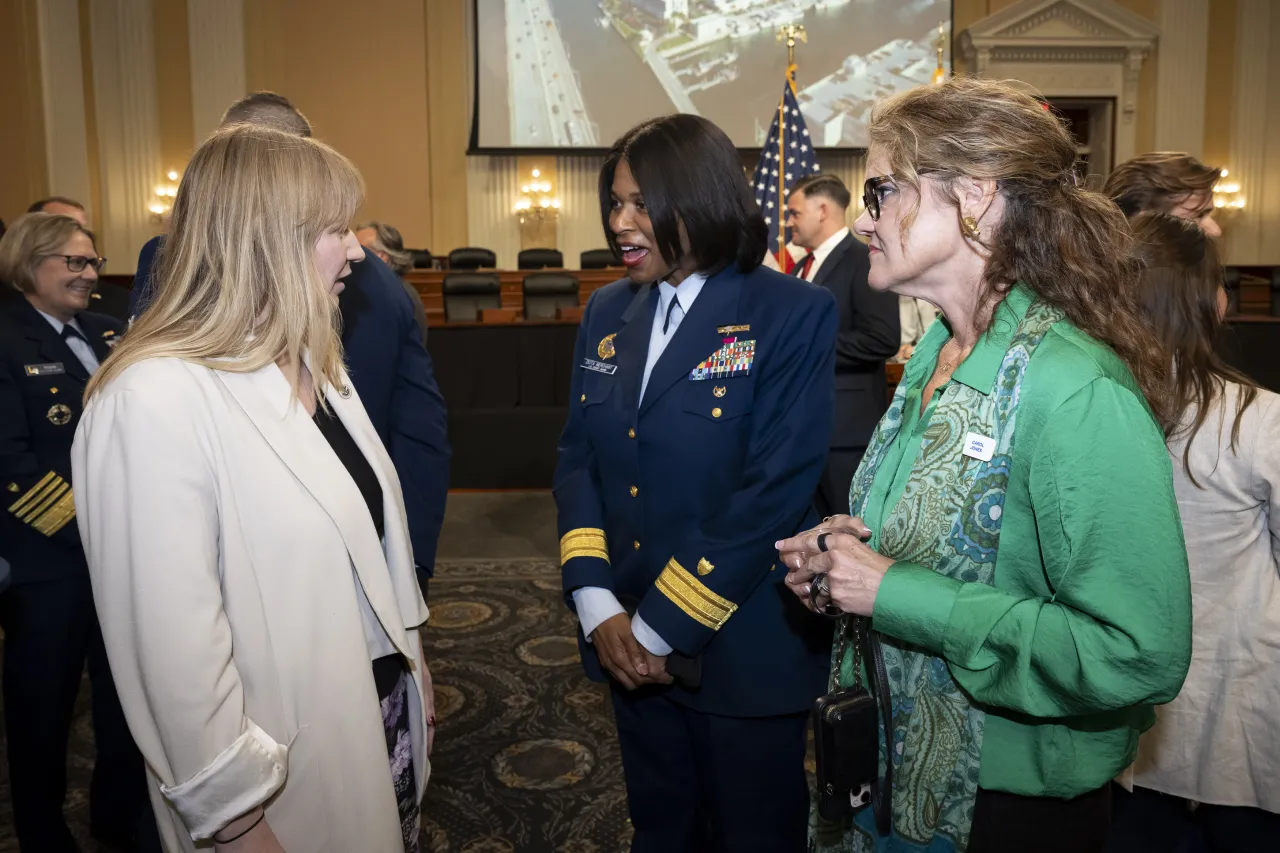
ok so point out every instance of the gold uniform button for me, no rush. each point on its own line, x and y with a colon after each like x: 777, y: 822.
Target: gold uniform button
x: 636, y: 544
x: 715, y: 413
x: 582, y: 399
x: 634, y: 491
x: 631, y: 433
x: 53, y: 390
x: 13, y: 487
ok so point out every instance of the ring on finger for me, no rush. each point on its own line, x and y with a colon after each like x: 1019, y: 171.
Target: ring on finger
x: 822, y: 541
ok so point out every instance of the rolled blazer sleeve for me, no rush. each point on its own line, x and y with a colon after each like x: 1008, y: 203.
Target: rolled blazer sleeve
x: 791, y: 427
x: 584, y: 552
x: 148, y: 514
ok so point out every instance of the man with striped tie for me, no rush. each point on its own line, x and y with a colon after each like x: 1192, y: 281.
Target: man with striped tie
x: 869, y: 326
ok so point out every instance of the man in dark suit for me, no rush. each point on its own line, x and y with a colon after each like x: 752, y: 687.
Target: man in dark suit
x: 49, y: 347
x: 385, y: 356
x: 869, y: 327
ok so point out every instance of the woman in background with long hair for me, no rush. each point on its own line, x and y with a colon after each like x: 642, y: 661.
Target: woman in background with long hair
x: 1218, y: 743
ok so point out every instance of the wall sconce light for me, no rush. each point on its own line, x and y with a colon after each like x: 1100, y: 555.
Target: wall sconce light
x: 536, y: 200
x: 1226, y: 194
x: 164, y: 195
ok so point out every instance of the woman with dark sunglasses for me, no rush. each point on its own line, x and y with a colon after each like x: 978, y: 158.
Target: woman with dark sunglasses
x: 1013, y: 533
x: 49, y: 347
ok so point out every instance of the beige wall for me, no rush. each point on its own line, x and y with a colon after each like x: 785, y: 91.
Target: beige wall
x: 173, y: 83
x: 362, y: 81
x: 24, y: 176
x: 392, y: 91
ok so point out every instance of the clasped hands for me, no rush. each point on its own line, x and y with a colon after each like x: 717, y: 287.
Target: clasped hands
x: 853, y: 570
x: 630, y: 664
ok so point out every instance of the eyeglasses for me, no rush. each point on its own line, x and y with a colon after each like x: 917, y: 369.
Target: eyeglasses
x: 77, y: 263
x: 873, y: 196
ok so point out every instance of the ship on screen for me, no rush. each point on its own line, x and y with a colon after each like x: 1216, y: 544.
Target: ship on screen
x: 579, y: 73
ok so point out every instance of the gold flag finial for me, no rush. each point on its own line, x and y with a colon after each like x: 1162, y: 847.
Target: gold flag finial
x: 792, y: 33
x: 940, y: 73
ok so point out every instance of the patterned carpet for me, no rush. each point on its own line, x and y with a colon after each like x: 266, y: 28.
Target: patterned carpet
x: 526, y: 760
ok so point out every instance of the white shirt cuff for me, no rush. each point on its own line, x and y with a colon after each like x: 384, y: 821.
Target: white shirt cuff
x: 594, y: 605
x: 244, y: 775
x: 649, y: 638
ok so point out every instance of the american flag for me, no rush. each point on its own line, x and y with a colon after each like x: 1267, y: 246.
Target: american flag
x: 787, y: 164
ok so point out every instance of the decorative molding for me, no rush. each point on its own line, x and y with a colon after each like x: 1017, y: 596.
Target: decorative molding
x: 1180, y: 82
x: 1054, y: 20
x: 124, y: 85
x: 216, y: 45
x: 62, y: 82
x: 1249, y: 164
x: 493, y: 184
x: 1068, y: 48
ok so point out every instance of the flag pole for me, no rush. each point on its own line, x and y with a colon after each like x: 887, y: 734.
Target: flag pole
x: 789, y: 33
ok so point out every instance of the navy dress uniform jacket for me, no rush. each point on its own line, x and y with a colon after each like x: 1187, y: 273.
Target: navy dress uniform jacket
x: 387, y: 358
x: 677, y: 501
x: 41, y: 387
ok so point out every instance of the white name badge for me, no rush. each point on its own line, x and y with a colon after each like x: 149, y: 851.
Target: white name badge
x: 979, y: 447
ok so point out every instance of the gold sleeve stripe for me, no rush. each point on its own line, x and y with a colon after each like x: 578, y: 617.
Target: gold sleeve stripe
x: 35, y: 493
x: 56, y: 517
x: 38, y: 509
x: 583, y: 542
x: 693, y: 597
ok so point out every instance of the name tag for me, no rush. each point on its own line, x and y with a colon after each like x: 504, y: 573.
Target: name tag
x: 599, y: 366
x: 52, y: 369
x: 979, y: 447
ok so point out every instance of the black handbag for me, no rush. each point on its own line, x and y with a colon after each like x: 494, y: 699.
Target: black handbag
x: 845, y: 735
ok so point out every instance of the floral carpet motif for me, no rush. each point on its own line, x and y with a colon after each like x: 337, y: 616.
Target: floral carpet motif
x: 526, y: 759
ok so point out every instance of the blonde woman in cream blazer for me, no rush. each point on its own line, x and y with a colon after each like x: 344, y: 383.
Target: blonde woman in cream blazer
x: 246, y: 597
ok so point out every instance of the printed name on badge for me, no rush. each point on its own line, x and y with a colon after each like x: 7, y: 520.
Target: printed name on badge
x: 979, y: 447
x: 54, y: 368
x: 599, y: 366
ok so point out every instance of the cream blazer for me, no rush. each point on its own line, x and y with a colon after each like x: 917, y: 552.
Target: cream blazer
x: 1219, y: 741
x: 225, y: 540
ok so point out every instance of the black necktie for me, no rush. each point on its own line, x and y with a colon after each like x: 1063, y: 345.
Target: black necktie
x: 69, y: 331
x: 675, y: 301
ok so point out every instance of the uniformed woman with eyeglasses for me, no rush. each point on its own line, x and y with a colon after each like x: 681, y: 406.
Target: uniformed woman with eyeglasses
x: 49, y: 346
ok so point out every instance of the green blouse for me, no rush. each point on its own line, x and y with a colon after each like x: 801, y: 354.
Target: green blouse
x: 1088, y: 623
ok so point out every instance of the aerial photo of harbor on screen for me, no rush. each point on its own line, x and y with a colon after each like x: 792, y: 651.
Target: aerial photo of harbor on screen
x: 580, y: 73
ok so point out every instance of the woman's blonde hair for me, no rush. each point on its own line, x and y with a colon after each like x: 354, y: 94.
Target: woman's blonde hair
x: 236, y: 284
x: 1070, y: 246
x: 30, y: 239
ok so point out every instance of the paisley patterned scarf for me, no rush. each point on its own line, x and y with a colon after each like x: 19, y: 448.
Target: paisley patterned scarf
x: 948, y: 518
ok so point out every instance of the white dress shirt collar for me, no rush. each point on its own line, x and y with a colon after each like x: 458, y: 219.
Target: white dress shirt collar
x: 828, y: 246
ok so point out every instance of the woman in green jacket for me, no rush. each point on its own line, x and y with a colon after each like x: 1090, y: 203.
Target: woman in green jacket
x: 1013, y: 533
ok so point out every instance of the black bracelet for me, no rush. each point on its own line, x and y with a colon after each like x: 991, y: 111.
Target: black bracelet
x: 252, y: 827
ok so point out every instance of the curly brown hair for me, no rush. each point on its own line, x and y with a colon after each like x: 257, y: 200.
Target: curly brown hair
x: 1070, y: 246
x: 1160, y: 181
x: 1178, y: 292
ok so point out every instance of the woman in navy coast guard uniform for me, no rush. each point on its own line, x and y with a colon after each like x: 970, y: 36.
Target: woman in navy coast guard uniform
x: 702, y: 395
x: 49, y: 347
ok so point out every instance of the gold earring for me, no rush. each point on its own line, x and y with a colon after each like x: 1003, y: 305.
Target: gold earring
x: 971, y: 229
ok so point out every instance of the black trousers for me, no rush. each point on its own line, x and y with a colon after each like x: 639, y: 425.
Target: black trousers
x: 832, y: 497
x: 1009, y: 823
x: 1150, y: 822
x: 698, y: 783
x: 50, y: 630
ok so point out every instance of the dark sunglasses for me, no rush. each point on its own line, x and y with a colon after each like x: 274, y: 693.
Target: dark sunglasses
x: 77, y: 263
x: 871, y: 194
